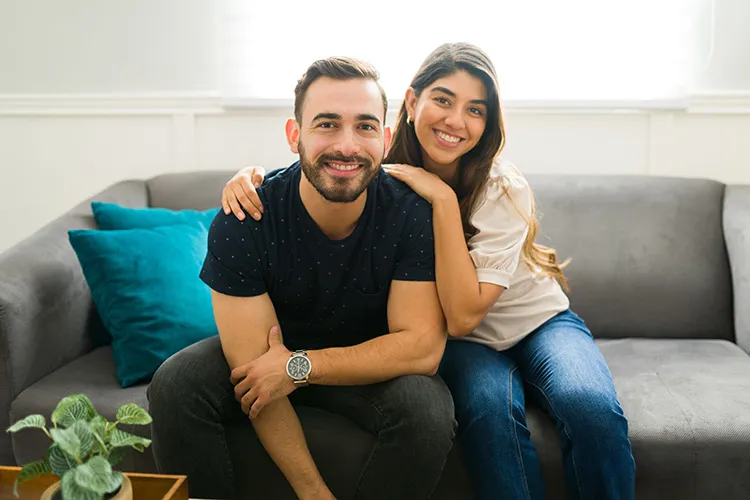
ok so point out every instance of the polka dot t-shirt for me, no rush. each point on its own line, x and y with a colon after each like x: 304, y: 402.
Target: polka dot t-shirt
x: 326, y: 293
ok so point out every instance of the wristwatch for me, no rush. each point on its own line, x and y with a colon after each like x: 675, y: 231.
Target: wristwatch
x: 299, y: 367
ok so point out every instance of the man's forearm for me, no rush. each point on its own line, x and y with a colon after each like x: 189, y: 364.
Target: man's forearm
x: 382, y: 358
x: 280, y: 432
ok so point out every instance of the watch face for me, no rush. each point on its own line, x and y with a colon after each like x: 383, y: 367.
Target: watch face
x: 299, y: 367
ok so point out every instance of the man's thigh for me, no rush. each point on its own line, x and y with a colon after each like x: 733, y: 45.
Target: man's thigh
x: 411, y: 398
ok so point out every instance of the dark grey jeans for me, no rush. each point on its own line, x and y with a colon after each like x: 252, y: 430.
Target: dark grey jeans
x: 199, y: 430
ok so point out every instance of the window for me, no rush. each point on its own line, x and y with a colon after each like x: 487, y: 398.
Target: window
x: 543, y: 50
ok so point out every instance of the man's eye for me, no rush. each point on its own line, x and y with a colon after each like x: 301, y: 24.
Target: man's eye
x: 326, y: 125
x: 368, y: 127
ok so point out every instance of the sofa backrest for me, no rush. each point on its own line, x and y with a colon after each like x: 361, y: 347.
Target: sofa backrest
x: 649, y: 258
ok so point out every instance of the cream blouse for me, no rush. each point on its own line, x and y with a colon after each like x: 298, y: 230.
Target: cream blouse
x: 530, y: 298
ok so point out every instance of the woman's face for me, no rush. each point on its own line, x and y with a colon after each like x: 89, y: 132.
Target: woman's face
x: 449, y: 117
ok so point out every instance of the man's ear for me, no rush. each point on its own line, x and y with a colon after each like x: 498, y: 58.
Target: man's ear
x: 292, y: 135
x: 387, y: 136
x: 410, y: 101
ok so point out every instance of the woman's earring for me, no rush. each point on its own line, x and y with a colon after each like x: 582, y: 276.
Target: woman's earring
x: 408, y: 120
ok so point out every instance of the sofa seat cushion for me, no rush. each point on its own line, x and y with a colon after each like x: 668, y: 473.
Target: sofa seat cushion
x: 93, y: 375
x: 688, y: 408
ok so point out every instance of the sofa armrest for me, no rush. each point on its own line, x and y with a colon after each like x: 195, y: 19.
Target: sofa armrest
x: 47, y: 316
x: 737, y: 236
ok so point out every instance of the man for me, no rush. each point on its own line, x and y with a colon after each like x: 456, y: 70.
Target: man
x: 343, y: 262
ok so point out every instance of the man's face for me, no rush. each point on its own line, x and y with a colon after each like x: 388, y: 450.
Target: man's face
x: 342, y: 138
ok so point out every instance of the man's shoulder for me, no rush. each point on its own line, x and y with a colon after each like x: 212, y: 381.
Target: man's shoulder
x: 277, y: 181
x: 398, y: 195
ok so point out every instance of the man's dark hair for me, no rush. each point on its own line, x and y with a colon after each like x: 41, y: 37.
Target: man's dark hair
x: 338, y: 68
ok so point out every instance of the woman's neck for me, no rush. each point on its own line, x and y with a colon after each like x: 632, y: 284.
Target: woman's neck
x: 446, y: 172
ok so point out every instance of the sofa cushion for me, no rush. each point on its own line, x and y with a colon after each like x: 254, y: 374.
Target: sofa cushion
x: 94, y: 375
x: 648, y: 253
x: 110, y: 216
x: 146, y: 288
x: 689, y: 415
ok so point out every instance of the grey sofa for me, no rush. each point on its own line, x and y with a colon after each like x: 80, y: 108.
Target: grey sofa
x: 661, y: 273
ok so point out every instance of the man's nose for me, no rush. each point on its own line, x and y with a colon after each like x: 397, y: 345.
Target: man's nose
x: 348, y: 143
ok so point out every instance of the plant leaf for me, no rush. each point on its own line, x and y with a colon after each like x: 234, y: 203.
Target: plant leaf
x: 119, y: 438
x: 35, y: 421
x: 133, y: 414
x: 59, y: 461
x: 95, y: 475
x: 98, y: 426
x: 67, y: 440
x: 83, y: 431
x: 73, y: 491
x: 116, y: 481
x: 72, y: 408
x: 30, y: 471
x: 117, y: 455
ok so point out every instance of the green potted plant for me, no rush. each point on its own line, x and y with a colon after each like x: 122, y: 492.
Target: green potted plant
x: 84, y: 448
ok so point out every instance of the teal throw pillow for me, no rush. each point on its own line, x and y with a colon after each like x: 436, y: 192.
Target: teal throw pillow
x: 112, y: 216
x: 146, y: 286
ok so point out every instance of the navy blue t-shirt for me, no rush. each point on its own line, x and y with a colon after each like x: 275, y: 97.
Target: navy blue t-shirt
x: 326, y: 293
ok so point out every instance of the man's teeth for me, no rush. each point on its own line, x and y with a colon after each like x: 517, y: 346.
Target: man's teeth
x: 343, y: 168
x: 448, y: 138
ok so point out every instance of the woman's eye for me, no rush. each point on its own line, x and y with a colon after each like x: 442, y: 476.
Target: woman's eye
x: 476, y: 111
x: 442, y: 100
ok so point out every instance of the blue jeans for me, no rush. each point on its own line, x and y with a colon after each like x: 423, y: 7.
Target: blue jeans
x: 559, y: 368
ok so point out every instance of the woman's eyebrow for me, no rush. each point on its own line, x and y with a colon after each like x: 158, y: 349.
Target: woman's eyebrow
x: 449, y: 92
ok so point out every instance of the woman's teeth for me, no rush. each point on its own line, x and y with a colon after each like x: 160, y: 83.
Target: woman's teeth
x: 448, y: 138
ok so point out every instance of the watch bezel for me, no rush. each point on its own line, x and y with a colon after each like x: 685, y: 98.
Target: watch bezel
x: 299, y: 354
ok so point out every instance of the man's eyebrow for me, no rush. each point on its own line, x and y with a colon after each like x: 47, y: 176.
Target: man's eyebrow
x: 367, y: 117
x: 327, y: 116
x: 453, y: 94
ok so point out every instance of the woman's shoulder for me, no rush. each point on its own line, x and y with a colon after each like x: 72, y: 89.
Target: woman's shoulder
x: 506, y: 182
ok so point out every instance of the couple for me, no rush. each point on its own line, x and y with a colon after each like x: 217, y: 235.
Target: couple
x: 367, y: 271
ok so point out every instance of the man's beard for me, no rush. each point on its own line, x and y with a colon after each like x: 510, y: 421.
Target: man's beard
x: 338, y: 189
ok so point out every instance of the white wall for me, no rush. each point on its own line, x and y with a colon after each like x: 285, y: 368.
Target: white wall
x: 92, y: 92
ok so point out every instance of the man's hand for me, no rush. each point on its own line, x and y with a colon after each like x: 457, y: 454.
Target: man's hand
x: 264, y: 380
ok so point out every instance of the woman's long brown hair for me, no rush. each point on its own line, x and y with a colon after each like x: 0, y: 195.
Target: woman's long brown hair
x: 474, y: 167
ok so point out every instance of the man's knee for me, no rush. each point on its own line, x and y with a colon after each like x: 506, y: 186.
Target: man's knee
x: 426, y: 408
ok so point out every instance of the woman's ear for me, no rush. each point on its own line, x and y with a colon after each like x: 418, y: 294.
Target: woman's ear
x: 410, y: 100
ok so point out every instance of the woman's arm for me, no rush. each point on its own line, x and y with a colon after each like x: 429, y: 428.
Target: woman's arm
x: 464, y: 299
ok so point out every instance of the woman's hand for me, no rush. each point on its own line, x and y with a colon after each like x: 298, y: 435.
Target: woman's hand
x: 240, y: 190
x: 427, y: 185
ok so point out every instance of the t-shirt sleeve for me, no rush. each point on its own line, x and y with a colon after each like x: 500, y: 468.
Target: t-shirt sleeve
x: 233, y: 264
x: 502, y: 223
x: 417, y: 253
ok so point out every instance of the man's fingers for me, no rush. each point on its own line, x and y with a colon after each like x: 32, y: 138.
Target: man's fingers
x: 274, y: 336
x: 258, y: 406
x: 241, y: 388
x: 248, y: 400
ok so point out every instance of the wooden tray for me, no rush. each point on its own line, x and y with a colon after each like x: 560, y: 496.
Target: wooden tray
x: 145, y: 486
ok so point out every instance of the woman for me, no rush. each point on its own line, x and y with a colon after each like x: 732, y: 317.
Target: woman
x: 514, y: 335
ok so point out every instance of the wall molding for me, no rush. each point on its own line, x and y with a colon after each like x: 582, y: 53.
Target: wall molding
x: 212, y: 103
x: 722, y: 102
